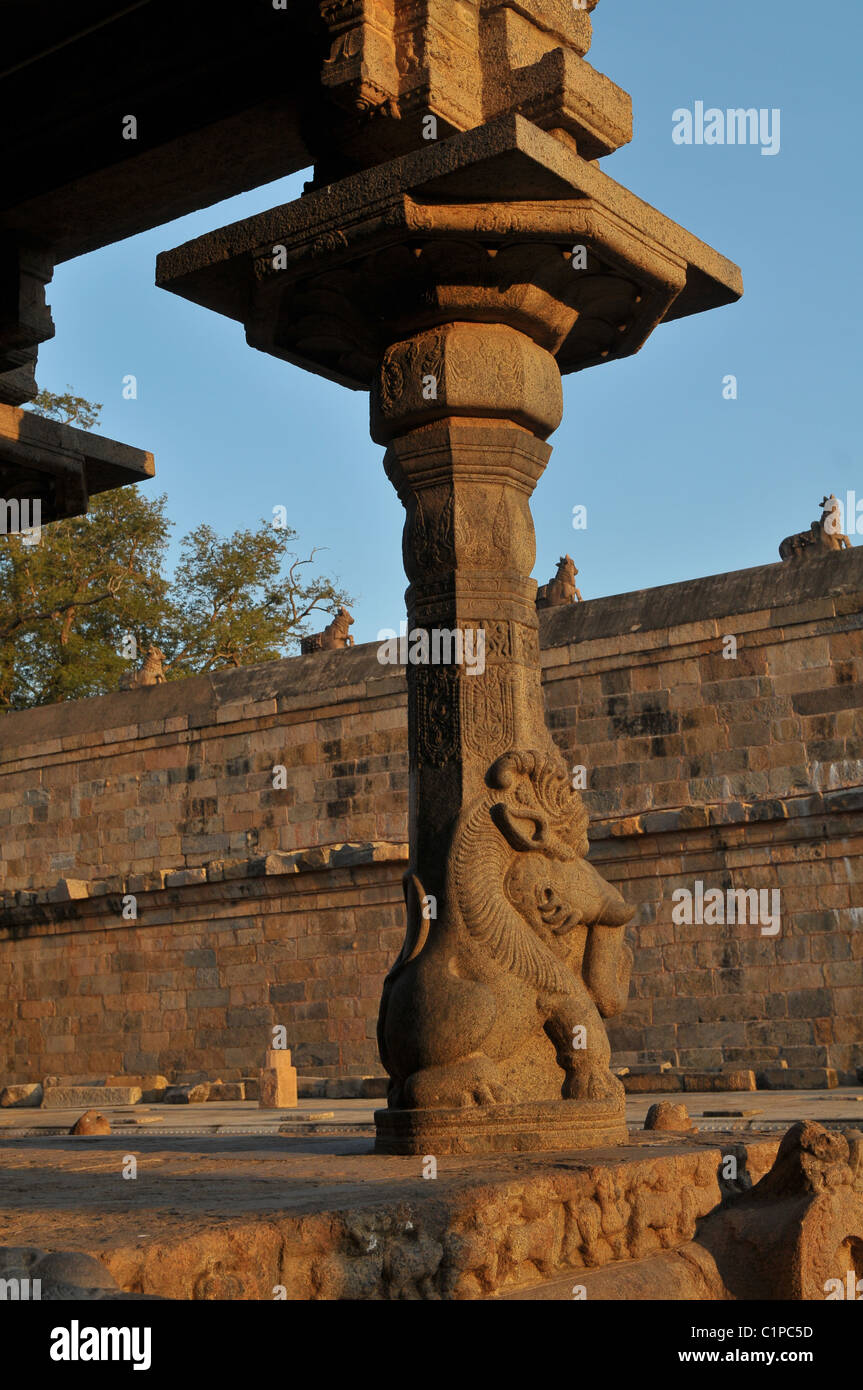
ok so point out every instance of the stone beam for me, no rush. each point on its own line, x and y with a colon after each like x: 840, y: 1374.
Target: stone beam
x: 60, y: 465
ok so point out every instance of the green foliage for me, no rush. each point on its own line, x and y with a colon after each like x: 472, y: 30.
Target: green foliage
x: 240, y: 599
x: 68, y: 409
x: 68, y: 602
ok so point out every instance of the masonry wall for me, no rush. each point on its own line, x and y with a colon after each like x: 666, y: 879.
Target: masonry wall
x: 259, y: 904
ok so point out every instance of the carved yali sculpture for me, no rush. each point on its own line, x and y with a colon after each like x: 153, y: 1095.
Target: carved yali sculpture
x: 525, y: 956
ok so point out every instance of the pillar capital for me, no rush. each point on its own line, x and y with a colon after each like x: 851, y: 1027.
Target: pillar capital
x: 473, y: 370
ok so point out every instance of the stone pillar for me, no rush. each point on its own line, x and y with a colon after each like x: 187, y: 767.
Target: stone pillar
x: 490, y: 1022
x: 455, y: 282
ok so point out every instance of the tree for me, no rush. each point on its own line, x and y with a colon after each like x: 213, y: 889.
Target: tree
x: 68, y: 409
x: 70, y: 603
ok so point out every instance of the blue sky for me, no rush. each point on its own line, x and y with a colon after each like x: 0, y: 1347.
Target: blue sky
x: 678, y: 482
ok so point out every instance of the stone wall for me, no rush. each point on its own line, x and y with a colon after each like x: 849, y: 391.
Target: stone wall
x: 259, y: 904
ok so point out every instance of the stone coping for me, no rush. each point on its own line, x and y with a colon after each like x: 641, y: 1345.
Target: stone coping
x: 683, y: 819
x: 776, y: 593
x: 313, y: 860
x: 727, y: 813
x: 768, y: 589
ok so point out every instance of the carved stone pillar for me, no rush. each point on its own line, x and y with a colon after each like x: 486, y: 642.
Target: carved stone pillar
x: 490, y: 1021
x: 456, y: 282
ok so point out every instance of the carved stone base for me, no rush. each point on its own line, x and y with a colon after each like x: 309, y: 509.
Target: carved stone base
x: 535, y: 1127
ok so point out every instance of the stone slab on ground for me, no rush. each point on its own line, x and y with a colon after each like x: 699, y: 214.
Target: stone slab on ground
x: 21, y: 1097
x: 233, y: 1218
x: 356, y: 1088
x: 679, y: 1079
x: 153, y: 1085
x: 222, y: 1091
x: 192, y: 1093
x: 87, y: 1097
x: 794, y: 1078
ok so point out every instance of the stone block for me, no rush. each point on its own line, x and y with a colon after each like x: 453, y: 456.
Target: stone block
x: 798, y: 1079
x: 71, y: 1097
x: 153, y: 1086
x: 740, y: 1079
x: 187, y: 1095
x: 68, y: 890
x: 91, y: 1122
x: 375, y: 1087
x: 21, y: 1097
x: 355, y: 1087
x: 315, y: 1087
x: 650, y: 1082
x: 666, y: 1115
x: 227, y: 1091
x: 278, y: 1081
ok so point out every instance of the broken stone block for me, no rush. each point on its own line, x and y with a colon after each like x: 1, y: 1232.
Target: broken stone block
x: 153, y: 1086
x: 187, y: 1095
x: 70, y: 1097
x: 666, y: 1115
x: 68, y: 890
x: 21, y: 1097
x: 91, y: 1122
x: 278, y: 1081
x: 227, y: 1091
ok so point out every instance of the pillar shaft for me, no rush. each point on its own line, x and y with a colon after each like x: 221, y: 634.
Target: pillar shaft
x: 487, y: 1026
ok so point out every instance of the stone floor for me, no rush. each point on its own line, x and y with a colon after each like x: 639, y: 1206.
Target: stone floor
x: 720, y: 1111
x: 229, y: 1201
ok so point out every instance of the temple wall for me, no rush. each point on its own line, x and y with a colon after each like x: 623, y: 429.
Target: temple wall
x: 258, y: 904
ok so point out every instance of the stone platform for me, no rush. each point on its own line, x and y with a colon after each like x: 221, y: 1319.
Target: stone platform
x: 232, y: 1202
x: 234, y: 1217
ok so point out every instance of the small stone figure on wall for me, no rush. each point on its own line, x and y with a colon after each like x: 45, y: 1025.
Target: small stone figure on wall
x: 151, y: 673
x: 334, y: 635
x: 822, y: 535
x: 562, y: 588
